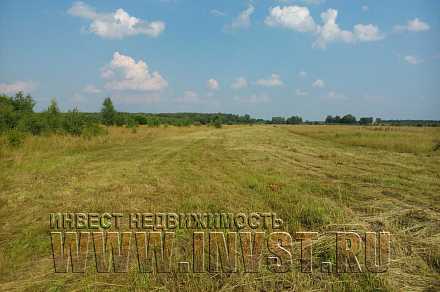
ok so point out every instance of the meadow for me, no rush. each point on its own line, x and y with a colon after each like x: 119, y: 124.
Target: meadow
x: 320, y: 178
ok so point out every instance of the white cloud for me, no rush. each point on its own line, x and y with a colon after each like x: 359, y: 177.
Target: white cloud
x: 243, y: 20
x: 415, y: 25
x: 12, y: 88
x: 306, y: 2
x: 273, y: 80
x: 124, y: 73
x: 252, y: 99
x: 292, y: 17
x: 303, y: 74
x: 313, y: 2
x: 413, y: 60
x: 367, y: 33
x: 299, y: 19
x: 365, y: 8
x: 318, y: 83
x: 216, y: 12
x: 239, y: 83
x: 330, y: 31
x: 300, y: 92
x: 213, y: 84
x: 92, y: 89
x: 117, y: 24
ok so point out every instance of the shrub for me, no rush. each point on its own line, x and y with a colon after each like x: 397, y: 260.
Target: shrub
x: 92, y: 130
x: 23, y: 104
x: 73, y: 122
x: 15, y: 138
x: 132, y: 124
x: 31, y: 123
x: 108, y: 112
x: 53, y: 117
x: 8, y: 117
x: 120, y: 119
x: 217, y: 124
x: 141, y: 120
x: 436, y: 145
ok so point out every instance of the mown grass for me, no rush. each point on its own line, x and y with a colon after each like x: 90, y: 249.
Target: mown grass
x: 398, y: 139
x: 314, y: 177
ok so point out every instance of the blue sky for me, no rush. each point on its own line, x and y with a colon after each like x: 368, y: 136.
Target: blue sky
x: 265, y: 58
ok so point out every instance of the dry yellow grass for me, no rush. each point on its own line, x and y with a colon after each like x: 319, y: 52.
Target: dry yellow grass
x: 315, y: 177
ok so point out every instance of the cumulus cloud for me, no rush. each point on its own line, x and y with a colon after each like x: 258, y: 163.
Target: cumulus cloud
x: 239, y: 83
x: 273, y: 80
x: 292, y: 17
x: 318, y: 83
x: 415, y: 25
x: 300, y: 92
x: 213, y: 84
x: 92, y: 89
x: 331, y: 32
x: 12, y: 88
x: 367, y: 33
x: 124, y: 73
x: 117, y: 24
x: 413, y: 60
x: 299, y: 19
x: 243, y: 20
x: 252, y: 99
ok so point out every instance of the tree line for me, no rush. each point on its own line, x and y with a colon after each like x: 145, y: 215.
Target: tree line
x: 17, y: 117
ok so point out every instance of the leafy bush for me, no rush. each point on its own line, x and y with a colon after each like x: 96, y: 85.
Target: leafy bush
x: 217, y: 124
x: 73, y: 122
x: 53, y: 117
x: 31, y: 123
x: 15, y: 138
x: 108, y: 112
x: 23, y: 104
x: 141, y: 120
x: 436, y: 145
x: 119, y: 120
x: 92, y: 130
x: 8, y: 117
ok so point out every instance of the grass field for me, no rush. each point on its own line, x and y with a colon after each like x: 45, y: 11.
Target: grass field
x: 319, y: 178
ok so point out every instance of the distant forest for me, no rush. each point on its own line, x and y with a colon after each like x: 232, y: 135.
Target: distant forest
x: 17, y: 114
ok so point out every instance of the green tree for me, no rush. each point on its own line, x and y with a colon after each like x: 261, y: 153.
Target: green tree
x: 32, y: 123
x: 366, y: 121
x: 108, y: 112
x: 294, y: 120
x: 74, y: 122
x: 278, y: 120
x: 23, y: 104
x: 348, y: 119
x: 53, y: 116
x: 329, y: 120
x: 8, y: 117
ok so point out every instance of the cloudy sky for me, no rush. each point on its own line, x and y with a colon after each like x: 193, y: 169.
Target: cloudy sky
x: 266, y: 58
